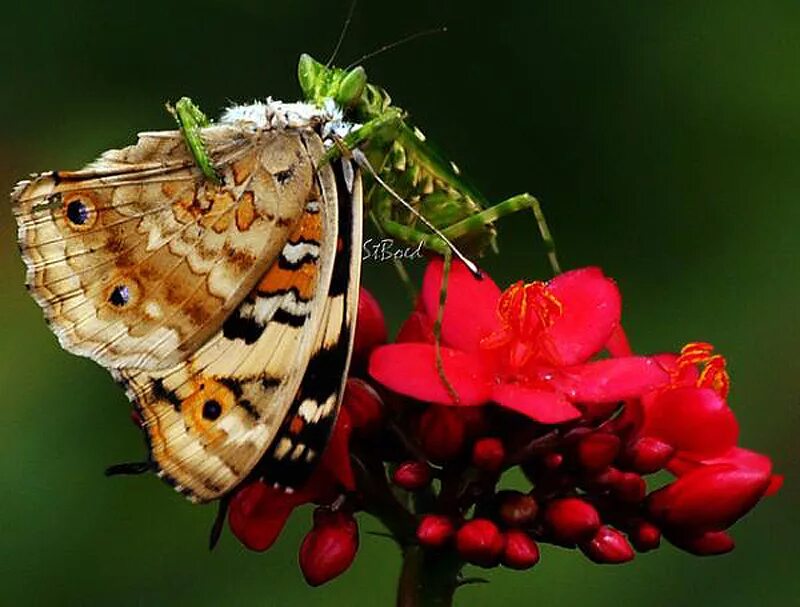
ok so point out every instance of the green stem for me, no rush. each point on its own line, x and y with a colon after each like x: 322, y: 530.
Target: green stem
x: 428, y: 578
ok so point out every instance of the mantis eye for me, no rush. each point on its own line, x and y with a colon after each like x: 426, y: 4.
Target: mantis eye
x: 352, y: 87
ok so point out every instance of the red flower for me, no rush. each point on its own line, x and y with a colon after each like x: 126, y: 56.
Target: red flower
x: 258, y: 512
x: 329, y: 548
x: 412, y: 475
x: 608, y: 547
x: 689, y: 426
x: 488, y: 454
x: 370, y: 327
x: 527, y: 349
x: 710, y: 497
x: 480, y: 542
x: 517, y: 509
x: 434, y: 530
x: 571, y: 519
x: 520, y: 551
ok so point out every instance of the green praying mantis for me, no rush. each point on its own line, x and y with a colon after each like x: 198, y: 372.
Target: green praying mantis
x: 413, y: 194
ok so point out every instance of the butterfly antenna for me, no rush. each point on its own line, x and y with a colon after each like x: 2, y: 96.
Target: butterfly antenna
x: 396, y: 43
x: 343, y: 32
x: 362, y: 161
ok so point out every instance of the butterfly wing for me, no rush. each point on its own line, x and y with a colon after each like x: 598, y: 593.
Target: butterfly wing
x: 310, y: 419
x: 137, y: 259
x: 210, y: 419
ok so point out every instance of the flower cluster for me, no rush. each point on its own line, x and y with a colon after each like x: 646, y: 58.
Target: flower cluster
x: 539, y: 378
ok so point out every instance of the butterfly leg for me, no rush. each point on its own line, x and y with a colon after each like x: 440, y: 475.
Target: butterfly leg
x: 191, y: 119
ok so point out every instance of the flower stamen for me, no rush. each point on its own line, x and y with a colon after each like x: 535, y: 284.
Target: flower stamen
x: 713, y: 373
x: 525, y: 311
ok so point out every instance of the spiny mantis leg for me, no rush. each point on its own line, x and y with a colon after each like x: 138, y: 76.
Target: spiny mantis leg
x: 437, y: 327
x: 507, y: 207
x: 389, y: 125
x: 191, y: 119
x: 474, y: 223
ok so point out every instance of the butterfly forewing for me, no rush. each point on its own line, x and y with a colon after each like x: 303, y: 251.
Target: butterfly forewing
x: 137, y: 259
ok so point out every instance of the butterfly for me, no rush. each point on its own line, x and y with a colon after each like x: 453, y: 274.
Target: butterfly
x: 226, y: 310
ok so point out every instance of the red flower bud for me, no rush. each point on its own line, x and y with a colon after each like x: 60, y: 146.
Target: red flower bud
x: 488, y: 454
x: 412, y: 476
x: 475, y: 421
x: 709, y: 497
x: 480, y: 542
x: 363, y: 404
x: 517, y: 509
x: 520, y: 551
x: 629, y: 487
x: 597, y: 450
x: 571, y: 519
x: 329, y: 548
x: 645, y: 536
x: 710, y: 543
x: 441, y: 432
x: 648, y: 455
x: 434, y: 530
x: 608, y: 547
x: 604, y: 478
x: 553, y: 461
x: 370, y: 327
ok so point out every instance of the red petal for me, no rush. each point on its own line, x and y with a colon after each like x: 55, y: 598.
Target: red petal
x: 336, y: 459
x: 608, y: 380
x: 775, y: 484
x: 693, y: 420
x: 258, y: 513
x: 370, y: 326
x: 540, y: 405
x: 709, y: 497
x: 591, y: 311
x: 416, y: 328
x: 471, y: 306
x: 710, y: 543
x: 410, y: 369
x: 618, y: 344
x: 742, y: 458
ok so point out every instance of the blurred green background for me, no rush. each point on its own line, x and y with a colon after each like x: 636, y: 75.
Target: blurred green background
x: 662, y: 137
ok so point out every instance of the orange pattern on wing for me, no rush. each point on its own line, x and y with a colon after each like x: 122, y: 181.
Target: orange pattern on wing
x: 205, y: 405
x: 303, y: 279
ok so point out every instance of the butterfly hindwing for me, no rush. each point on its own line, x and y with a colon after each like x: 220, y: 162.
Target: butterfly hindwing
x: 310, y: 419
x: 210, y: 419
x: 137, y: 259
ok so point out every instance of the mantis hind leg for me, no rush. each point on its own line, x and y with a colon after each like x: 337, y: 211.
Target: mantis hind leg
x: 190, y: 120
x: 437, y: 328
x: 511, y: 205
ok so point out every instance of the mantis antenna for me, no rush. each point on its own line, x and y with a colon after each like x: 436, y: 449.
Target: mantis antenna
x: 361, y: 160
